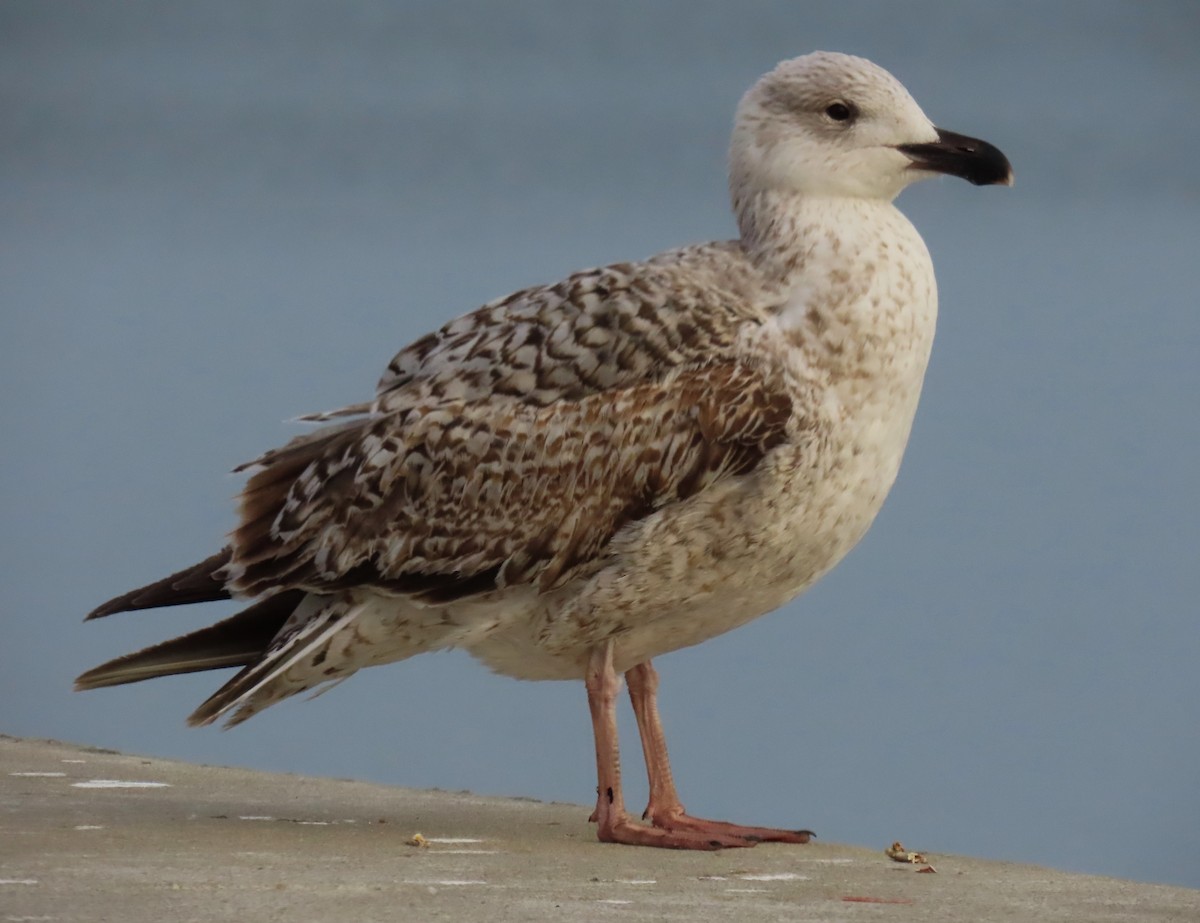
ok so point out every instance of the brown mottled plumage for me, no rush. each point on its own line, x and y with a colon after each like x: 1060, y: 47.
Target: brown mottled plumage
x: 581, y: 476
x: 608, y: 395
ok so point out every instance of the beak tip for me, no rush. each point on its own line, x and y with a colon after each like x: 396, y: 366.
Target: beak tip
x: 1004, y: 179
x: 976, y: 161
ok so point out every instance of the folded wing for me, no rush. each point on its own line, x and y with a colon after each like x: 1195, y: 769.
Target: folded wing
x: 461, y: 497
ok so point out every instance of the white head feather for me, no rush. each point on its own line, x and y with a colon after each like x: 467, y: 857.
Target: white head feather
x: 826, y: 124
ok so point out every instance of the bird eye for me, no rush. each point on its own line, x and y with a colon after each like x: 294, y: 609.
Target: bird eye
x: 840, y: 111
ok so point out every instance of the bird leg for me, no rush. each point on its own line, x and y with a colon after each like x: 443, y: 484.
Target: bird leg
x: 614, y: 825
x: 665, y: 810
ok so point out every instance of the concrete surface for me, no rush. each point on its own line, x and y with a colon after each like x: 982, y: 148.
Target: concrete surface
x: 88, y: 834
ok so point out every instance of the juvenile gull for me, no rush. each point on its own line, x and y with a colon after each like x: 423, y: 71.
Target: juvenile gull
x: 579, y: 477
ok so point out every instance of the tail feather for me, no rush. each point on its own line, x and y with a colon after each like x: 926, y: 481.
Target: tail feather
x: 237, y: 641
x: 302, y: 644
x: 200, y: 583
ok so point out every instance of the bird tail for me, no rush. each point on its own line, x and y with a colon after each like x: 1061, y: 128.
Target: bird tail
x: 237, y: 641
x: 299, y: 657
x: 285, y: 643
x: 280, y: 642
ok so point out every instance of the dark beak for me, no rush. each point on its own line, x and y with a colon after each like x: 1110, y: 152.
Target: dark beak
x: 975, y: 161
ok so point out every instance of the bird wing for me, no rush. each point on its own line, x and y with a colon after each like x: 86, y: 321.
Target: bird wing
x: 595, y: 330
x: 513, y: 443
x: 457, y: 497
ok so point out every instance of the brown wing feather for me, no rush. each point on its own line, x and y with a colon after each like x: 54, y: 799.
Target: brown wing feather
x: 234, y: 642
x: 595, y: 330
x: 465, y: 496
x: 203, y: 582
x: 511, y: 444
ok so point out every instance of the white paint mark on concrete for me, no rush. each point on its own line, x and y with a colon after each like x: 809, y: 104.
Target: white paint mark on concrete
x: 610, y: 900
x: 468, y: 852
x: 118, y: 783
x: 72, y: 761
x: 88, y: 827
x: 449, y: 882
x: 774, y: 876
x: 636, y: 881
x: 255, y: 817
x: 39, y: 775
x: 452, y: 839
x: 745, y: 890
x: 18, y: 881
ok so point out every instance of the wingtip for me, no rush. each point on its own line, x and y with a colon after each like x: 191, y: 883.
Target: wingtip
x: 203, y: 582
x: 102, y: 610
x: 95, y: 678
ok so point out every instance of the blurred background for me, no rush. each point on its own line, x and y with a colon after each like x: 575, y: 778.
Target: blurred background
x: 215, y: 217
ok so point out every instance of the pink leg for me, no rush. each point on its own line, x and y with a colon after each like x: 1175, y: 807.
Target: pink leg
x: 665, y: 810
x: 614, y: 825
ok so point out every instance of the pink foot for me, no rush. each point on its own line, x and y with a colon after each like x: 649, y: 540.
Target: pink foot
x: 624, y: 829
x: 679, y: 822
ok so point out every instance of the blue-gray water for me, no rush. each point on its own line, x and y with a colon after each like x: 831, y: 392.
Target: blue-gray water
x: 217, y: 216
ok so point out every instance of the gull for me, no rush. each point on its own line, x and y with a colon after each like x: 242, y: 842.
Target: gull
x: 582, y: 476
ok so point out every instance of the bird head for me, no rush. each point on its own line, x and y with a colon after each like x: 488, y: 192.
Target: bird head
x: 829, y: 124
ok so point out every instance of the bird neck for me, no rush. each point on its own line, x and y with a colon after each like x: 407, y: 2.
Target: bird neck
x: 782, y: 231
x: 853, y: 286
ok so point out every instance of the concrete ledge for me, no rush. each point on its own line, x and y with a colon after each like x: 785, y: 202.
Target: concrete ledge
x: 91, y: 835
